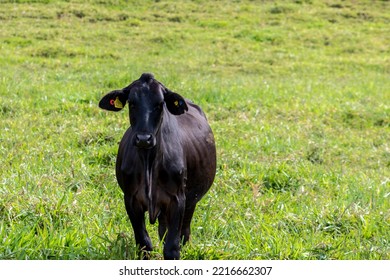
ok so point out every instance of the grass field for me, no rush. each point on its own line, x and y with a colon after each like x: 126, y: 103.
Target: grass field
x: 297, y: 93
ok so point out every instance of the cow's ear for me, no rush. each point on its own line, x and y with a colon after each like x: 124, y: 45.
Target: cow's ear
x: 114, y: 100
x: 175, y: 103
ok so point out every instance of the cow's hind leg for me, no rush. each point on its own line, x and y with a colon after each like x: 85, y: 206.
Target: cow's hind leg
x: 186, y: 228
x: 174, y: 223
x: 136, y: 213
x: 162, y: 226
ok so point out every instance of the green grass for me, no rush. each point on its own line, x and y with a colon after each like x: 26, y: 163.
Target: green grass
x: 297, y: 93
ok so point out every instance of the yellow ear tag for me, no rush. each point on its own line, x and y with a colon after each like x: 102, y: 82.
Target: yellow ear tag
x: 176, y: 103
x: 117, y: 103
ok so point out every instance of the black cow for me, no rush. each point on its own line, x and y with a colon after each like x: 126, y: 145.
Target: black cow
x: 166, y: 160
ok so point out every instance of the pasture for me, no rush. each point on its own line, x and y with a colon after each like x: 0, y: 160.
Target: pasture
x: 296, y: 92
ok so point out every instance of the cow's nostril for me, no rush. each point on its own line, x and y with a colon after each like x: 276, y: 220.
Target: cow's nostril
x: 144, y: 141
x: 144, y: 137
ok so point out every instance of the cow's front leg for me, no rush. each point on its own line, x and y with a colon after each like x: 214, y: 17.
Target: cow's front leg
x: 175, y: 221
x: 136, y: 213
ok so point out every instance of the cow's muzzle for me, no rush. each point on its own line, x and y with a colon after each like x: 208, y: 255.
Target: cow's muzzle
x: 144, y: 141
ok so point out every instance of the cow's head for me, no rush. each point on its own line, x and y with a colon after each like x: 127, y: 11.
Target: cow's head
x: 147, y: 99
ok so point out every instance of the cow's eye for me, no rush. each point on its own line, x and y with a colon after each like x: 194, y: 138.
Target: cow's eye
x: 131, y: 105
x: 159, y: 106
